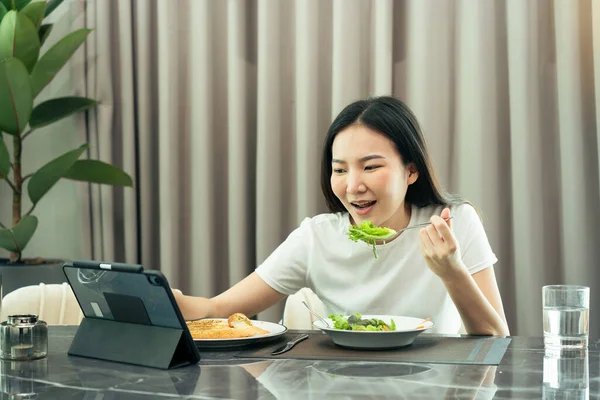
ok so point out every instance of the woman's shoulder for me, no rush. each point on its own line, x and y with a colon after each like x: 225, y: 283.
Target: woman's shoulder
x: 323, y: 225
x: 464, y: 212
x: 326, y: 219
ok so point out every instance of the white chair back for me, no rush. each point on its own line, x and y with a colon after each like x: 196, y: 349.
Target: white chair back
x: 56, y: 304
x: 296, y: 316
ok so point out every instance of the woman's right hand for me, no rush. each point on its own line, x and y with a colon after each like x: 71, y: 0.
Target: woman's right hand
x: 191, y: 307
x: 179, y: 298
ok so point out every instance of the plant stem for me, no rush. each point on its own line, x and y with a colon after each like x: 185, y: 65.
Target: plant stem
x: 26, y: 134
x: 2, y: 226
x: 18, y: 185
x: 31, y: 209
x: 12, y: 186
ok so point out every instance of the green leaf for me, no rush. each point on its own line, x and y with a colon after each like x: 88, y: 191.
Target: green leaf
x: 20, y: 4
x: 52, y: 4
x: 16, y: 97
x: 17, y: 237
x: 44, y: 178
x: 4, y: 158
x: 53, y: 110
x: 3, y: 11
x: 7, y: 240
x: 44, y: 32
x: 36, y: 13
x: 19, y: 38
x: 55, y: 58
x: 15, y: 4
x: 95, y: 171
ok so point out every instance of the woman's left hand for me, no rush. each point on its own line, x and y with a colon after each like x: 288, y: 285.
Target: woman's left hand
x: 439, y: 246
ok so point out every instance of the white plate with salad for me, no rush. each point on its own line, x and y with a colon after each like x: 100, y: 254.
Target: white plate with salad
x: 373, y: 331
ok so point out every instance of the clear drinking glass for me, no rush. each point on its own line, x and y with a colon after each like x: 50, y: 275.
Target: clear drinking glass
x: 566, y: 316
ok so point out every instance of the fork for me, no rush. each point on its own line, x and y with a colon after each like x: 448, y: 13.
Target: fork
x: 411, y: 227
x: 316, y: 315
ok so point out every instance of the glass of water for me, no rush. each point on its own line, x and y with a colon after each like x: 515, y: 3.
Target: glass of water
x: 566, y: 316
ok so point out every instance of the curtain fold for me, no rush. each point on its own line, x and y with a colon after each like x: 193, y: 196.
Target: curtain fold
x: 531, y: 146
x: 575, y: 95
x: 596, y: 73
x: 381, y: 53
x: 172, y: 114
x: 241, y: 142
x: 144, y: 80
x: 202, y: 84
x: 271, y: 163
x: 308, y: 117
x: 219, y: 110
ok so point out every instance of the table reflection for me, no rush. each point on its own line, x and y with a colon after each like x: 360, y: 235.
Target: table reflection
x: 566, y: 374
x: 295, y: 379
x: 18, y: 378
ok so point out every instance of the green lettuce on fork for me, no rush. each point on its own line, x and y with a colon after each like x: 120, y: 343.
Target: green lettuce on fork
x: 369, y: 233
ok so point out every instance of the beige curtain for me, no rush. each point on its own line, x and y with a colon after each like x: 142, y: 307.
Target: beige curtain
x: 218, y: 109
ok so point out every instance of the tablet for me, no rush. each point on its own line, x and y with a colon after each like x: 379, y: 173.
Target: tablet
x: 126, y: 293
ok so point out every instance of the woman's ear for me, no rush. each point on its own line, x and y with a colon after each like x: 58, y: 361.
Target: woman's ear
x: 413, y: 173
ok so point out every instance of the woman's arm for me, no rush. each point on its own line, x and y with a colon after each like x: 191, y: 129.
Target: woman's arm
x: 476, y: 297
x: 478, y: 301
x: 249, y: 296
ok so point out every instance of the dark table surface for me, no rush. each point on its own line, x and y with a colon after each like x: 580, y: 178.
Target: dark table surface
x: 526, y: 372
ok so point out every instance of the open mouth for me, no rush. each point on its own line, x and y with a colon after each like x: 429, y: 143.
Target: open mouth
x: 363, y: 207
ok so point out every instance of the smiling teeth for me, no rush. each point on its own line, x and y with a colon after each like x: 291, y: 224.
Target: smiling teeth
x: 363, y: 204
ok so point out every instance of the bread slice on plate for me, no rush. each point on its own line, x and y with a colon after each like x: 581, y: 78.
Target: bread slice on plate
x: 237, y: 326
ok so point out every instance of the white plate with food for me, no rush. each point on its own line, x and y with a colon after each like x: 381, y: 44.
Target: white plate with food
x: 373, y: 331
x: 235, y: 331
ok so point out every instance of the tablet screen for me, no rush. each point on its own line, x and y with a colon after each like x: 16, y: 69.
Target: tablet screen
x: 123, y: 296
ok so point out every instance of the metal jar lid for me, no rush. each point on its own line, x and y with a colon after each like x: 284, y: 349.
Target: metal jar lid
x: 23, y: 319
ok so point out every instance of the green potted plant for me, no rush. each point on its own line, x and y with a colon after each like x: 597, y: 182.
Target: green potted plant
x: 24, y: 73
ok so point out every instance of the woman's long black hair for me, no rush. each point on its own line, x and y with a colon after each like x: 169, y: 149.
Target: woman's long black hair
x: 393, y: 119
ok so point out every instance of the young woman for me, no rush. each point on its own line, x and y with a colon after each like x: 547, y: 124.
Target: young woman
x: 375, y: 167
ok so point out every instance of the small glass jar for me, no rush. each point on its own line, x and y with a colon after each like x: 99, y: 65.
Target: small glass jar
x: 23, y: 337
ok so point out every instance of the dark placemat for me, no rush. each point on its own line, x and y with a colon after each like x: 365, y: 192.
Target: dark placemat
x: 427, y: 348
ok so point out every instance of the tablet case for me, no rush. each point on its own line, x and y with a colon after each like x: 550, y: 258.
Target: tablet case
x: 131, y: 338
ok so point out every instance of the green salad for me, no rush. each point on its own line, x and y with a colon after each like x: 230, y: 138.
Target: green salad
x: 369, y: 233
x: 355, y: 322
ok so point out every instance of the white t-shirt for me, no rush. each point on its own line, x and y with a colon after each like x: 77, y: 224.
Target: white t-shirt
x: 347, y: 278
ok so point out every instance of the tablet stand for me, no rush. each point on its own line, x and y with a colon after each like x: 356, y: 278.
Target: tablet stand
x: 130, y: 338
x: 146, y: 345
